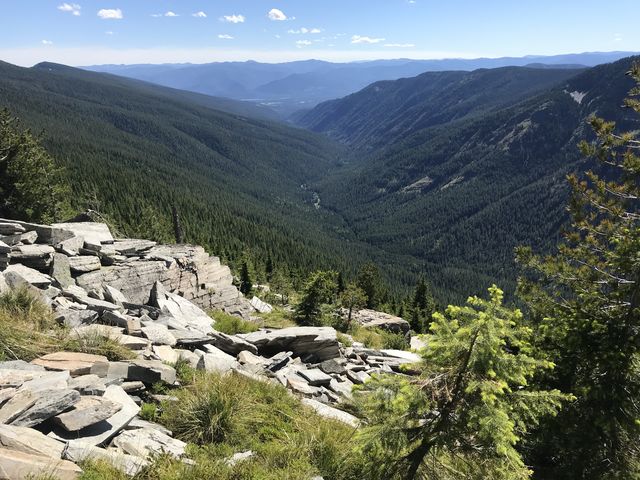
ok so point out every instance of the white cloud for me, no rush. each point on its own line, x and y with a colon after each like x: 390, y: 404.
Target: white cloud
x: 399, y: 45
x: 72, y: 8
x: 617, y: 37
x: 110, y: 14
x: 233, y: 18
x: 199, y: 14
x: 364, y: 39
x: 224, y: 36
x: 171, y: 14
x: 302, y: 43
x: 304, y: 30
x: 108, y: 32
x: 47, y: 42
x: 276, y: 15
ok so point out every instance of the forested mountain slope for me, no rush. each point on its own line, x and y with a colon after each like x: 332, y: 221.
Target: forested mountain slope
x: 385, y: 112
x: 133, y: 151
x: 463, y: 192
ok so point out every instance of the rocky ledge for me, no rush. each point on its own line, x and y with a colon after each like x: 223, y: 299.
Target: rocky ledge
x: 66, y: 407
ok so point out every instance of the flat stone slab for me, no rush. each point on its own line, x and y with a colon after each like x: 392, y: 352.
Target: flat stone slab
x: 46, y: 234
x: 151, y: 371
x: 48, y: 404
x: 331, y: 413
x: 260, y: 306
x: 78, y: 451
x: 145, y: 442
x: 374, y: 319
x: 27, y: 252
x: 132, y: 246
x: 315, y: 377
x: 358, y: 377
x: 84, y: 264
x: 11, y: 228
x: 17, y: 405
x: 30, y: 275
x: 301, y: 387
x: 215, y: 360
x: 318, y: 342
x: 74, y: 318
x: 158, y: 334
x: 231, y: 344
x: 16, y: 465
x: 28, y: 440
x: 87, y: 411
x: 93, y: 232
x: 165, y: 353
x: 103, y: 431
x: 88, y: 384
x: 76, y: 363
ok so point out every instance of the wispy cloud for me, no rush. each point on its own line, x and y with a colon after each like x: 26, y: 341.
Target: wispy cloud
x: 302, y: 43
x: 199, y: 14
x: 277, y: 15
x: 224, y: 36
x: 110, y: 14
x: 233, y: 18
x: 166, y: 14
x: 400, y: 45
x: 304, y: 30
x: 47, y: 42
x: 72, y: 8
x: 364, y: 39
x: 617, y: 37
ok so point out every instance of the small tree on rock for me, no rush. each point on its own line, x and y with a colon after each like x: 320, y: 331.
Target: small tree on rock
x: 352, y: 298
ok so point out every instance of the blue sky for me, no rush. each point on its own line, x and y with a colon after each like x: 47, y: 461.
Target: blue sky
x: 84, y: 32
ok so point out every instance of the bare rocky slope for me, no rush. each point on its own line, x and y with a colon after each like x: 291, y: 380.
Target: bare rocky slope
x: 66, y: 407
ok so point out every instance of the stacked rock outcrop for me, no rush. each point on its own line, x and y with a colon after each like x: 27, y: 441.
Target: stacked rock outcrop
x: 67, y: 407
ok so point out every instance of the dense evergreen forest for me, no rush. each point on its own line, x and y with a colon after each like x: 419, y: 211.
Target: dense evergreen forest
x: 477, y: 170
x: 132, y: 151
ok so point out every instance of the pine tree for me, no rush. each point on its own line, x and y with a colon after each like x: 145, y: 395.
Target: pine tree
x: 246, y: 283
x: 586, y: 298
x: 281, y: 284
x: 32, y: 186
x: 422, y: 306
x: 465, y: 415
x: 370, y: 282
x: 352, y: 298
x: 319, y: 289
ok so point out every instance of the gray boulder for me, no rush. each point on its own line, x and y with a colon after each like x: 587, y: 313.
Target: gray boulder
x: 319, y: 343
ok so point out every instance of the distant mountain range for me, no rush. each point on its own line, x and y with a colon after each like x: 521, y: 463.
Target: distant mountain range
x: 293, y: 86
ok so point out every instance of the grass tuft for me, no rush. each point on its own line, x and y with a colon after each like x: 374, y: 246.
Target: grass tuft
x: 230, y: 324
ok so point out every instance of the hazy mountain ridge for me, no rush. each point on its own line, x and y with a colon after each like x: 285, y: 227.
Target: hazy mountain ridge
x: 292, y: 86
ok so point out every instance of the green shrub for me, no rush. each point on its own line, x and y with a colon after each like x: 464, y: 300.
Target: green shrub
x: 149, y: 412
x: 378, y: 339
x: 230, y: 324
